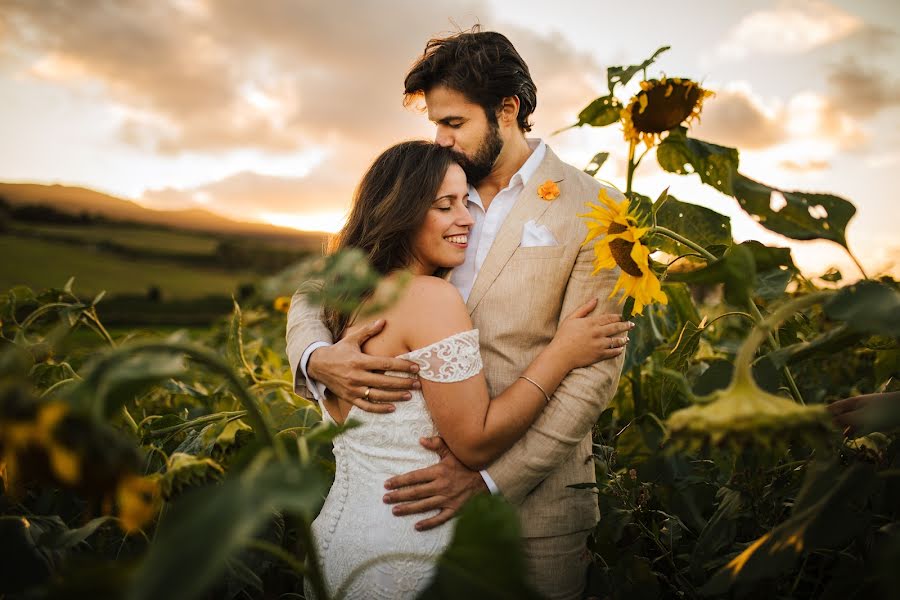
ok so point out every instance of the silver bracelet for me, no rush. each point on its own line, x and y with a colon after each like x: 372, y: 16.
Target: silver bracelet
x: 537, y: 385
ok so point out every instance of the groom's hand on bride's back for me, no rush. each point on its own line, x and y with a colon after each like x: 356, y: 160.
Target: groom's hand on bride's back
x: 348, y: 372
x: 445, y: 486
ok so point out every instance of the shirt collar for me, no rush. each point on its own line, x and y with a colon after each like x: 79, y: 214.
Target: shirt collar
x: 528, y: 168
x: 538, y: 150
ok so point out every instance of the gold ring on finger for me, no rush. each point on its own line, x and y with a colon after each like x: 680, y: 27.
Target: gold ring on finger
x: 366, y: 395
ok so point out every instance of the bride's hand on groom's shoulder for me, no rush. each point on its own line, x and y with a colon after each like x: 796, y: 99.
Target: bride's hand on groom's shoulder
x: 356, y: 377
x: 444, y: 486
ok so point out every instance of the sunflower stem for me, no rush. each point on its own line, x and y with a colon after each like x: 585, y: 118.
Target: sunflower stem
x: 631, y: 168
x: 683, y: 240
x: 754, y: 310
x: 636, y: 395
x: 764, y: 327
x: 858, y: 265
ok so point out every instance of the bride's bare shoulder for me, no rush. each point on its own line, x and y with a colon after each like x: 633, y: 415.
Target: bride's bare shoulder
x: 431, y: 309
x: 433, y: 291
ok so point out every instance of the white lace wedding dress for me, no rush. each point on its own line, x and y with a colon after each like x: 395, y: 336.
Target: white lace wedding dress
x: 364, y: 550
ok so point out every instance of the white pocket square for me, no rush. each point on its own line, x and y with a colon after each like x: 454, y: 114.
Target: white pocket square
x: 534, y: 235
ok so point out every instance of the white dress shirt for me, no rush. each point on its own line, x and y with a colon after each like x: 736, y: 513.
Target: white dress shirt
x: 481, y: 237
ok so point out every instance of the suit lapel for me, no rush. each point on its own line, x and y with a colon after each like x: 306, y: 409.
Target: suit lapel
x: 528, y: 206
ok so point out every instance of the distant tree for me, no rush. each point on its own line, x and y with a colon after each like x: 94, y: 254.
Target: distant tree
x: 154, y: 294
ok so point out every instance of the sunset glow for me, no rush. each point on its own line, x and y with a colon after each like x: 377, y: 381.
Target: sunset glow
x: 273, y: 115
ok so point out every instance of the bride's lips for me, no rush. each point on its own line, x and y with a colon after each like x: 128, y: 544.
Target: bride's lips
x: 460, y: 241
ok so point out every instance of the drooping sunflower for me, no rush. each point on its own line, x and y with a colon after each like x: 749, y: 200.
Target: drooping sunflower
x: 661, y: 105
x: 621, y: 246
x: 743, y: 414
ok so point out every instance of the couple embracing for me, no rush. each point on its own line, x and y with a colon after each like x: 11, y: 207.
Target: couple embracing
x: 489, y: 371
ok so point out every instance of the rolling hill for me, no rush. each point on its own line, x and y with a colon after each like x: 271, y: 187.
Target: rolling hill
x: 76, y: 200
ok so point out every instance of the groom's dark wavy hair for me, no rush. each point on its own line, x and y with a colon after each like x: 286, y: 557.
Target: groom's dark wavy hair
x: 482, y: 65
x: 389, y: 207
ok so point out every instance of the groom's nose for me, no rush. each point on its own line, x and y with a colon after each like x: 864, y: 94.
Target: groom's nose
x: 444, y: 138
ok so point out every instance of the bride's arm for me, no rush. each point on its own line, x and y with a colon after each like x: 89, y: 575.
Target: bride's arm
x: 477, y: 429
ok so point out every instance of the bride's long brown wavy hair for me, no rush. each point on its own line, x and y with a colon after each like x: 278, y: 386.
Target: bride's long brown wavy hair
x: 389, y: 206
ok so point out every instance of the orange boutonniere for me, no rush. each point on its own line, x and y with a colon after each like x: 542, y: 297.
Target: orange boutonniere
x: 548, y: 190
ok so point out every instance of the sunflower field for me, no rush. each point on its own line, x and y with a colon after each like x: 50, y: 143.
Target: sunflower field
x: 139, y: 465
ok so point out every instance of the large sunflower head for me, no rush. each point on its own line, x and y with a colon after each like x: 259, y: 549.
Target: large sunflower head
x: 661, y: 105
x: 744, y: 415
x: 621, y: 246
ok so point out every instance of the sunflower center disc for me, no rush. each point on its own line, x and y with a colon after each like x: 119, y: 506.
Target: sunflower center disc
x: 621, y: 251
x: 665, y: 112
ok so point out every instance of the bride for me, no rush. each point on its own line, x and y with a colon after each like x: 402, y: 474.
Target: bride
x: 410, y: 215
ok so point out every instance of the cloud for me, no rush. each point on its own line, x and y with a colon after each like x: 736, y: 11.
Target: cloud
x: 224, y: 74
x: 280, y: 76
x: 809, y: 123
x: 249, y: 193
x: 862, y: 91
x: 792, y: 27
x: 735, y: 117
x: 805, y: 166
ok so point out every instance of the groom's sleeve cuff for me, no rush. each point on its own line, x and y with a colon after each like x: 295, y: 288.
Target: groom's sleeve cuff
x: 489, y: 482
x: 316, y: 388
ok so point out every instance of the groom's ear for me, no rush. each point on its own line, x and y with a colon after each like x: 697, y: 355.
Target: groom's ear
x: 508, y: 113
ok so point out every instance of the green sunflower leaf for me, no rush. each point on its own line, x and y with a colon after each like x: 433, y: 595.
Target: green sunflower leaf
x: 601, y: 112
x: 622, y: 75
x: 596, y: 162
x: 736, y: 269
x: 774, y: 269
x: 697, y: 223
x: 801, y: 215
x: 716, y: 165
x: 867, y: 307
x: 804, y: 215
x: 485, y: 558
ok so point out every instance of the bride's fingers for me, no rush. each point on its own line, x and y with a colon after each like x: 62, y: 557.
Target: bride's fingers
x: 614, y: 329
x: 439, y: 519
x: 583, y: 310
x: 420, y: 506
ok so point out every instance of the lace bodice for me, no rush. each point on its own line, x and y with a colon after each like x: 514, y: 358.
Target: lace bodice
x: 451, y: 359
x: 355, y: 525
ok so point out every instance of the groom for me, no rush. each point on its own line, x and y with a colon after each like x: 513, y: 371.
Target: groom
x: 525, y: 270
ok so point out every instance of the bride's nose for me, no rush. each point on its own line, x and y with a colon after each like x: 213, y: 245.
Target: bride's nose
x: 464, y: 218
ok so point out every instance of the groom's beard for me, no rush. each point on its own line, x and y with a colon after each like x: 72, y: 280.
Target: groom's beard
x: 479, y: 166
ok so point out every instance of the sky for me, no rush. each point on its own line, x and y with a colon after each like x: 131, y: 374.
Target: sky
x: 271, y: 110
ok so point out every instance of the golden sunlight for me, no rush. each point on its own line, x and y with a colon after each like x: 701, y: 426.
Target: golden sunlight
x: 327, y: 222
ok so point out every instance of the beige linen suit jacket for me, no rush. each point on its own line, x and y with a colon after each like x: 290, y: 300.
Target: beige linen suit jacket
x: 519, y: 297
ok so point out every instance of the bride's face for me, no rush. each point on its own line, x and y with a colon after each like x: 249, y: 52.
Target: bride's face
x: 442, y: 239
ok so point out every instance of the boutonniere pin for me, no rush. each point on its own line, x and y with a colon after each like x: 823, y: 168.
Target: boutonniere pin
x: 548, y: 190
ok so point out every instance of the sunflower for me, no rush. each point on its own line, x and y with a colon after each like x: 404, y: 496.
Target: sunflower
x: 744, y: 414
x: 661, y: 105
x: 139, y: 501
x: 621, y: 246
x: 282, y: 304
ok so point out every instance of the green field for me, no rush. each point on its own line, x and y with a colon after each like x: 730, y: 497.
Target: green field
x: 138, y: 238
x: 40, y: 264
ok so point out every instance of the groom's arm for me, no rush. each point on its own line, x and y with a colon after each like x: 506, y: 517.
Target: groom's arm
x: 577, y: 402
x: 342, y: 367
x: 306, y: 331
